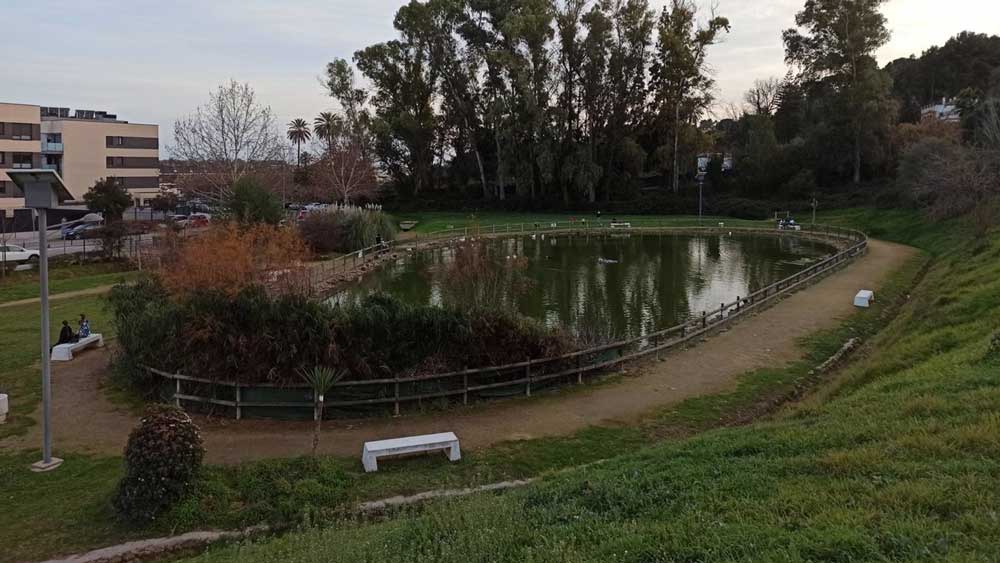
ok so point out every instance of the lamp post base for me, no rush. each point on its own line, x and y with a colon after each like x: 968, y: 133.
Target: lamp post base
x: 42, y: 467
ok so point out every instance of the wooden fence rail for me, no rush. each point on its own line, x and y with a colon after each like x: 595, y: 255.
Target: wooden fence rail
x: 522, y: 377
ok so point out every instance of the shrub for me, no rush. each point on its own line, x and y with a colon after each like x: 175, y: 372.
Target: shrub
x: 250, y: 202
x: 229, y: 259
x: 346, y: 228
x: 162, y: 459
x: 382, y: 336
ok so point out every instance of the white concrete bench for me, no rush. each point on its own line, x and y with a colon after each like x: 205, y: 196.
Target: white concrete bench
x: 621, y: 225
x: 64, y: 352
x: 411, y: 444
x: 864, y: 298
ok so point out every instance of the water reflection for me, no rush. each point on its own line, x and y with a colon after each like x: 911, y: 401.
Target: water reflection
x: 613, y: 285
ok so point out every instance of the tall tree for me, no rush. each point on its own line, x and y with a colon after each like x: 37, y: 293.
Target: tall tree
x: 328, y: 126
x: 682, y: 85
x: 231, y: 136
x: 298, y: 133
x: 837, y: 45
x: 762, y: 97
x: 404, y: 80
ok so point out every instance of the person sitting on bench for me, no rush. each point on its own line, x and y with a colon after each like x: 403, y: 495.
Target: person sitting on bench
x: 66, y: 335
x: 84, y: 327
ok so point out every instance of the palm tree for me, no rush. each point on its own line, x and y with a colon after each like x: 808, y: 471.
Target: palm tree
x: 327, y: 126
x: 298, y: 133
x: 321, y: 379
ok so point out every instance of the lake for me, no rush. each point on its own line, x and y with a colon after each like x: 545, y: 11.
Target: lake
x: 607, y: 285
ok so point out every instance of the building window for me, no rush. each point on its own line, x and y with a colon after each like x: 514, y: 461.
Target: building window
x: 2, y: 156
x: 116, y: 162
x: 2, y: 126
x: 20, y: 131
x: 22, y: 160
x: 3, y: 188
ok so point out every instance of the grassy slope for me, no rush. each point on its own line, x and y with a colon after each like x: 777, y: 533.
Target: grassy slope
x: 900, y: 460
x: 62, y: 279
x: 298, y: 490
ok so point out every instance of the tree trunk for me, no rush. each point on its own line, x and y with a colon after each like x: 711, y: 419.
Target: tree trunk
x: 677, y: 136
x: 857, y: 154
x: 479, y: 159
x: 319, y: 423
x: 501, y: 185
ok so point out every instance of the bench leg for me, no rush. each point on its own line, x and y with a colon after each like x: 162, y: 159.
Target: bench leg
x: 454, y: 452
x: 370, y: 462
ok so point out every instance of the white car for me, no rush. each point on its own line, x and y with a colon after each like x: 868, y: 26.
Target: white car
x: 16, y: 253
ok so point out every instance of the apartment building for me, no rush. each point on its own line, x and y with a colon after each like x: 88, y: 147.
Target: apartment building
x: 84, y: 146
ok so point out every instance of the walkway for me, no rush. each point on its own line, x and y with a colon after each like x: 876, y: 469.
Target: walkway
x: 99, y: 290
x: 85, y: 421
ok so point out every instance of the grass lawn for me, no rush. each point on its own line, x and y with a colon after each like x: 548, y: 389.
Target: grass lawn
x: 433, y: 221
x: 896, y: 459
x: 695, y: 480
x: 63, y: 278
x: 20, y: 371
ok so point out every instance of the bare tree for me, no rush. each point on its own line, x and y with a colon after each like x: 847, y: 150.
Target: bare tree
x: 762, y: 97
x: 344, y: 169
x: 231, y: 136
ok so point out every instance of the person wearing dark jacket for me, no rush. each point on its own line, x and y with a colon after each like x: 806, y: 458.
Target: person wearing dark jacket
x: 66, y: 335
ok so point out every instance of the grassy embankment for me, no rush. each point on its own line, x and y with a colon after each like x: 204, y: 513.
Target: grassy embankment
x: 63, y: 278
x: 897, y: 459
x: 300, y: 491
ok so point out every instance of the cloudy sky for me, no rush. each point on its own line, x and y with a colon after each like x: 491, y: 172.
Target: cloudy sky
x: 152, y: 61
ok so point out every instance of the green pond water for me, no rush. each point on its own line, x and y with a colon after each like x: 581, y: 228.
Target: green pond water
x: 607, y: 285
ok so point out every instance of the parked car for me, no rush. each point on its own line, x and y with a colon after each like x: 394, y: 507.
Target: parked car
x: 182, y: 221
x: 16, y: 253
x: 199, y: 220
x: 85, y: 231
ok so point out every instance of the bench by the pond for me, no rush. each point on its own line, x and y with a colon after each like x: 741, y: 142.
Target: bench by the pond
x: 64, y: 352
x: 621, y: 225
x: 864, y: 298
x: 411, y: 444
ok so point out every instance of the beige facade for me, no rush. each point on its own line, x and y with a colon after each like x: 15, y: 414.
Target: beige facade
x: 20, y: 147
x: 89, y: 146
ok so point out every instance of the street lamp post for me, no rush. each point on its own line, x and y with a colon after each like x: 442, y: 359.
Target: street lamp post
x: 43, y: 190
x: 701, y: 183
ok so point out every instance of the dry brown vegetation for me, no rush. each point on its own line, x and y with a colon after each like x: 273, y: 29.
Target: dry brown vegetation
x: 230, y: 259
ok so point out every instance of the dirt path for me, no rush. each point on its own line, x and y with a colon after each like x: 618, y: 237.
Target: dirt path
x: 64, y: 295
x: 85, y: 421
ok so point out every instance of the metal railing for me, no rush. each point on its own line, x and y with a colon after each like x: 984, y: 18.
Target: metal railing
x: 526, y: 376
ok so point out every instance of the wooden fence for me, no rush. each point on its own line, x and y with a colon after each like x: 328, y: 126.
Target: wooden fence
x: 514, y: 378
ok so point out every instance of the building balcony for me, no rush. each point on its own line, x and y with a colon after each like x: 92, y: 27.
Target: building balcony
x: 52, y: 147
x: 51, y: 167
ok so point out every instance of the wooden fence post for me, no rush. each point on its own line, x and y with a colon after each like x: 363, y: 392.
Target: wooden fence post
x: 315, y: 405
x: 704, y: 319
x: 239, y: 409
x: 527, y: 373
x: 396, y: 394
x: 465, y: 393
x: 177, y: 389
x: 579, y: 370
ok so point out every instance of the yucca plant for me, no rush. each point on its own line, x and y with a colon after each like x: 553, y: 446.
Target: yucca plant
x: 321, y: 379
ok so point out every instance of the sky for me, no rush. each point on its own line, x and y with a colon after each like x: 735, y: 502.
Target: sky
x: 154, y: 61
